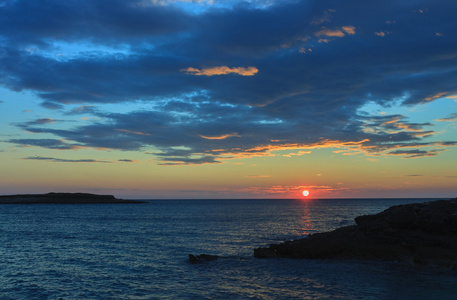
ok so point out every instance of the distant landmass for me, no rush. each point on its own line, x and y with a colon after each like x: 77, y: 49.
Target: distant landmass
x: 63, y: 198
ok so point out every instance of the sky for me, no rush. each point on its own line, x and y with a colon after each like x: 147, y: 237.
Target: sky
x: 164, y: 99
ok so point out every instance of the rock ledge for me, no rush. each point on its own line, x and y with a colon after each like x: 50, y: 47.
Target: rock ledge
x: 419, y: 234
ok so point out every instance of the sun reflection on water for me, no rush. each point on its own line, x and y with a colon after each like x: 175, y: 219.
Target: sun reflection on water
x: 307, y: 225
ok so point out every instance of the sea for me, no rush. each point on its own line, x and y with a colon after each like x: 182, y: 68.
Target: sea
x: 140, y: 251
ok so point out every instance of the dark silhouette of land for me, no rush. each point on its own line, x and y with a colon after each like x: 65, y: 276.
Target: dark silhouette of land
x: 418, y: 234
x: 63, y: 198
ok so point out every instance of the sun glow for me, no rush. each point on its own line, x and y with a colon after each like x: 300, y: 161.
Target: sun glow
x: 305, y: 193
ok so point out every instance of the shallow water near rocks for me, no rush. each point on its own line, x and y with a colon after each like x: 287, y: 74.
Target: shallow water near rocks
x: 140, y: 251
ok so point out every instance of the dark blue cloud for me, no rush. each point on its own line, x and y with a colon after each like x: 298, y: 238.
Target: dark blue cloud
x: 416, y: 153
x: 126, y: 160
x: 41, y: 121
x: 355, y: 65
x: 317, y: 62
x: 196, y: 133
x: 53, y: 159
x: 28, y: 22
x: 45, y: 143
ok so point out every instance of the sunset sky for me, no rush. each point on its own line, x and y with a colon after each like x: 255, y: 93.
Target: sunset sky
x: 229, y: 99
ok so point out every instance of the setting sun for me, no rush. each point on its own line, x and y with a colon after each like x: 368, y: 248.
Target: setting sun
x: 305, y: 193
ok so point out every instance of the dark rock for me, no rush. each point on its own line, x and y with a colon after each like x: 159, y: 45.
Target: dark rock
x: 439, y: 217
x: 419, y: 233
x: 201, y: 258
x: 63, y: 198
x: 265, y: 253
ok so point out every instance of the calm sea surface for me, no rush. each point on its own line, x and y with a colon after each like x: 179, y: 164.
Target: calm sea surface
x: 140, y: 251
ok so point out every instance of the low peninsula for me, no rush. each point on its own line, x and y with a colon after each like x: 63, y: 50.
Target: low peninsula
x: 417, y: 234
x: 63, y: 198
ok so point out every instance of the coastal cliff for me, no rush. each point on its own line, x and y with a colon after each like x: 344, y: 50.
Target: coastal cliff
x: 419, y: 234
x: 63, y: 198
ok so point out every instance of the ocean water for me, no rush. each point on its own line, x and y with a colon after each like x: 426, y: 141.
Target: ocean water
x: 140, y: 251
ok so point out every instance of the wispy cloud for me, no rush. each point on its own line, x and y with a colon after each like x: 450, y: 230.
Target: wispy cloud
x: 127, y: 160
x: 415, y: 153
x: 83, y: 109
x: 451, y: 118
x: 53, y: 159
x: 436, y: 96
x: 349, y: 29
x: 223, y: 70
x: 220, y: 137
x: 42, y: 121
x: 132, y: 132
x: 165, y: 160
x: 382, y: 33
x: 323, y: 18
x: 45, y: 143
x: 339, y: 32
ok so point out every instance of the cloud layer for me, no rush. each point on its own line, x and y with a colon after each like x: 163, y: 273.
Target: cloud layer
x: 232, y: 82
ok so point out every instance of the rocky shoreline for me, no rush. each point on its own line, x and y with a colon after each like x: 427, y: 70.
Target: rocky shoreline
x: 418, y: 234
x: 63, y: 198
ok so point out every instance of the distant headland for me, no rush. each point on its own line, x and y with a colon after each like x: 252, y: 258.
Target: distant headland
x: 63, y: 198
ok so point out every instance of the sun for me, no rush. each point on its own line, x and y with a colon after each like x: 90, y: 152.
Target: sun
x: 305, y: 193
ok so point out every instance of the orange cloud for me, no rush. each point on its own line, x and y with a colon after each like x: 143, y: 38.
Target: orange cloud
x: 266, y: 150
x: 392, y: 121
x: 452, y: 117
x: 330, y: 33
x: 336, y: 32
x: 222, y: 70
x: 349, y: 148
x: 433, y: 97
x: 220, y: 137
x: 349, y: 29
x: 304, y: 50
x: 382, y: 33
x: 408, y: 127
